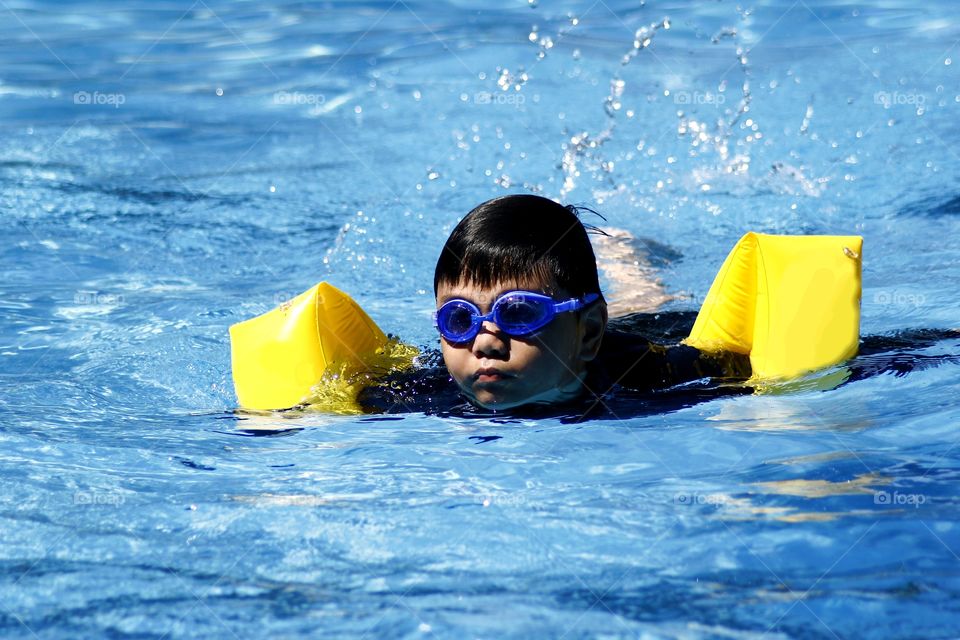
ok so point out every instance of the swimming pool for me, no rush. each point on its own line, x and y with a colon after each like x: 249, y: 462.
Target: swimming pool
x: 171, y: 168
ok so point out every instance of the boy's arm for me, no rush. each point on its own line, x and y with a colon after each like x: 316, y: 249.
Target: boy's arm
x: 420, y: 389
x: 689, y: 363
x: 634, y: 362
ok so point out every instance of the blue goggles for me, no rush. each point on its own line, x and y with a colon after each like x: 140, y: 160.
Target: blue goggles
x: 516, y: 313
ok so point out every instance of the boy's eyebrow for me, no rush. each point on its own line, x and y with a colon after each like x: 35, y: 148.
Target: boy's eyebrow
x: 497, y: 294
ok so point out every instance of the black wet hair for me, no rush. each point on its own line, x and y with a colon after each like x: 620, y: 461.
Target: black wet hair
x: 520, y: 237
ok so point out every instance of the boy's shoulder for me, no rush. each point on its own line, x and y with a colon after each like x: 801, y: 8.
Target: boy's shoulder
x: 626, y: 360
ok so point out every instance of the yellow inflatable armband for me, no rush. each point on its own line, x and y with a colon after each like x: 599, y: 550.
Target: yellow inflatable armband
x: 791, y: 302
x: 280, y: 357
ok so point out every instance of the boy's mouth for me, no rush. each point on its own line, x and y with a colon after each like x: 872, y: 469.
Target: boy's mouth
x: 490, y: 374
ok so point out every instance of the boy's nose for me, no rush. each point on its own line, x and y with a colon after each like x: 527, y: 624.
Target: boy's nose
x: 490, y: 341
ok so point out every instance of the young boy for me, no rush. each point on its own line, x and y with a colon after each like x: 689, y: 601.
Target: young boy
x: 523, y: 322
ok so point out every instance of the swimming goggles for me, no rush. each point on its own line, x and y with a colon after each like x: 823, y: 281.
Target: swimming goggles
x: 516, y: 313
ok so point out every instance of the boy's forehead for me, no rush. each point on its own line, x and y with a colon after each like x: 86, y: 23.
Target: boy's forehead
x: 478, y: 293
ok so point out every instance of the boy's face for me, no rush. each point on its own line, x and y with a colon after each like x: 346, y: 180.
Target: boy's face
x: 498, y: 371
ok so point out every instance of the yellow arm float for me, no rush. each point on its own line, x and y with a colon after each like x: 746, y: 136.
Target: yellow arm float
x: 791, y: 302
x: 280, y: 356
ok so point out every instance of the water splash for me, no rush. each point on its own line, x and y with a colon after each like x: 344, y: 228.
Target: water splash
x: 507, y: 80
x: 544, y: 42
x: 582, y: 148
x: 805, y: 125
x: 732, y: 133
x: 643, y: 38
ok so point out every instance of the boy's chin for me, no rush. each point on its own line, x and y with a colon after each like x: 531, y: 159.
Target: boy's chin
x: 493, y: 401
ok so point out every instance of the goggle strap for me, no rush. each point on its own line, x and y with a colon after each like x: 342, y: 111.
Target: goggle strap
x: 570, y: 305
x: 576, y: 303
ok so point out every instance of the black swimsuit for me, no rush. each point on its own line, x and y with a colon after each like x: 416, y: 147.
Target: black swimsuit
x: 627, y: 364
x: 633, y: 376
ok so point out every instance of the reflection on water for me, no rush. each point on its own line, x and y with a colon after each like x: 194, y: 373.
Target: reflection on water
x: 170, y: 169
x: 792, y: 413
x: 823, y: 488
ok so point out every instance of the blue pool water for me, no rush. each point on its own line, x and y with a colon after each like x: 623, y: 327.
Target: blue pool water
x: 170, y: 168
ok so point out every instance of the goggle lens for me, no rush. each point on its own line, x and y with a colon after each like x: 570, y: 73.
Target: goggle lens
x: 456, y: 320
x: 518, y: 314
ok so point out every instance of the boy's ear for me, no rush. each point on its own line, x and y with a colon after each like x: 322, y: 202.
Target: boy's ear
x: 593, y: 322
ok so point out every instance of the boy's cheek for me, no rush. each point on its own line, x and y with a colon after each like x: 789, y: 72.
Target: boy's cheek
x: 453, y: 360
